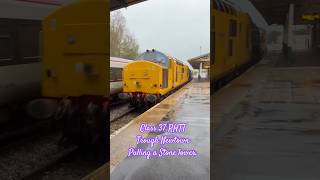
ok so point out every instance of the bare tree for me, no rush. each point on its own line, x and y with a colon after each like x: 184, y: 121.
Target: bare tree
x: 122, y: 42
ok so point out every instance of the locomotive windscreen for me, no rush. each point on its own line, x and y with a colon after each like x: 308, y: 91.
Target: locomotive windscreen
x: 155, y: 56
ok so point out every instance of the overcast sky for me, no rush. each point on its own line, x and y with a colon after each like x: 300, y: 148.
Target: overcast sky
x: 175, y: 27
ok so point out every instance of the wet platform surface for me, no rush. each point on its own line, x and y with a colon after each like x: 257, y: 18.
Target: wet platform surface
x: 190, y: 105
x: 267, y: 124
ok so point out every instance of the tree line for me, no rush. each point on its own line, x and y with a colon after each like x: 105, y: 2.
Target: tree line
x: 122, y: 42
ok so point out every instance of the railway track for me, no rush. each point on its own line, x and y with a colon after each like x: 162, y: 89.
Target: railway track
x: 118, y: 113
x: 73, y: 164
x: 41, y: 158
x: 20, y: 158
x: 122, y: 115
x: 40, y: 172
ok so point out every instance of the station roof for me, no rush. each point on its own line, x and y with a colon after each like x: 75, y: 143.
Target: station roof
x: 118, y: 4
x: 274, y: 11
x: 196, y: 61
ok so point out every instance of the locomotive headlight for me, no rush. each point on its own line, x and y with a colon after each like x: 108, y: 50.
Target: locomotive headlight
x: 137, y: 83
x: 123, y: 96
x: 92, y: 108
x: 51, y: 73
x: 151, y: 98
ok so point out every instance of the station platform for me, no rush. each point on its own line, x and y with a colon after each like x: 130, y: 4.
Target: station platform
x: 190, y: 105
x: 267, y: 122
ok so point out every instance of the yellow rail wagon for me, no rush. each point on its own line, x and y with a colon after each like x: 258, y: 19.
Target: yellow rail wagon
x: 152, y: 76
x: 237, y: 43
x: 75, y: 83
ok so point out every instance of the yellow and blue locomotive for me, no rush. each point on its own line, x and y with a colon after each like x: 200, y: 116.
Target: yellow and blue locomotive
x: 152, y: 76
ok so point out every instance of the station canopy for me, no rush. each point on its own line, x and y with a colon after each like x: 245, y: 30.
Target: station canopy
x: 196, y: 61
x: 274, y: 11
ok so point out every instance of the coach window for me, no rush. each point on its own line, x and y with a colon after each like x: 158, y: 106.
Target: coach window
x: 119, y: 74
x: 5, y: 48
x: 112, y: 77
x: 6, y: 45
x: 115, y: 74
x: 28, y: 40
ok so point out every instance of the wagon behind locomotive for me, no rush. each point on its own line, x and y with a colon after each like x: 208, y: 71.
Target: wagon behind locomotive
x: 237, y: 42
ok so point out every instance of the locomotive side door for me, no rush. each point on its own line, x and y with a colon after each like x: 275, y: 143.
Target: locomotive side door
x: 173, y: 67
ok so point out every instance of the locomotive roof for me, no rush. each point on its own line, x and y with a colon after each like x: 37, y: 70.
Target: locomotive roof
x: 158, y: 57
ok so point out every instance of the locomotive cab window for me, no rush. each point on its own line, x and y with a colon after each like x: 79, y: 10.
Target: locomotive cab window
x: 156, y: 57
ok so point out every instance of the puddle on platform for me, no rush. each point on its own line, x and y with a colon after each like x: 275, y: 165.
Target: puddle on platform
x: 241, y: 85
x: 260, y: 111
x: 288, y: 121
x: 274, y: 129
x: 312, y: 132
x: 167, y: 117
x: 310, y: 83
